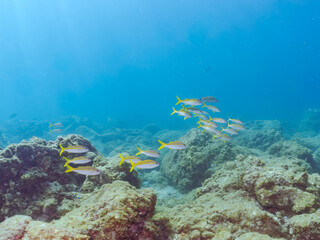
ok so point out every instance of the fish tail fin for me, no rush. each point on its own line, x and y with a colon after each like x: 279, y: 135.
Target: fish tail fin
x: 70, y: 169
x: 199, y: 125
x: 204, y: 104
x: 62, y: 149
x: 179, y: 100
x: 174, y: 111
x: 132, y: 167
x: 139, y: 151
x: 162, y: 145
x: 122, y: 159
x: 50, y: 124
x: 229, y: 119
x: 214, y: 137
x: 50, y: 130
x: 222, y: 129
x: 210, y: 118
x: 183, y: 107
x: 67, y: 161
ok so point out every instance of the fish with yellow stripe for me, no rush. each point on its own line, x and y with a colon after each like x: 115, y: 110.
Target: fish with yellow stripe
x: 172, y: 145
x: 77, y: 160
x: 145, y: 164
x: 128, y: 159
x: 185, y: 113
x: 74, y: 149
x: 149, y: 153
x: 85, y: 170
x: 191, y: 101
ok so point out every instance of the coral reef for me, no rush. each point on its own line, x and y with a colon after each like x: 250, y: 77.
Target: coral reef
x: 22, y: 227
x: 310, y: 121
x: 186, y: 169
x: 116, y: 211
x: 33, y: 181
x: 260, y: 134
x: 247, y: 198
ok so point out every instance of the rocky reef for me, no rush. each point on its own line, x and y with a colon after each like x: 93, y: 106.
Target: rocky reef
x: 260, y: 185
x: 33, y: 181
x: 187, y: 169
x: 272, y: 198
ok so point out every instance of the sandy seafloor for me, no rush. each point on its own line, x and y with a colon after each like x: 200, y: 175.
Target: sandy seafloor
x: 264, y: 184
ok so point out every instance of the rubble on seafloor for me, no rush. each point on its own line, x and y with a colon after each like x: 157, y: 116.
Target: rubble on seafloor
x: 244, y: 193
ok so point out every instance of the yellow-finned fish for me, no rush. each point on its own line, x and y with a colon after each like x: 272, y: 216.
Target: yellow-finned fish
x: 206, y: 127
x: 236, y: 126
x: 213, y: 108
x: 127, y: 159
x: 146, y: 164
x: 55, y: 124
x: 212, y: 124
x: 172, y: 145
x: 229, y: 130
x: 74, y: 149
x: 191, y: 101
x: 195, y: 110
x: 77, y: 160
x: 183, y: 113
x: 55, y: 130
x: 235, y: 121
x: 85, y: 170
x: 218, y: 120
x: 149, y: 153
x: 224, y: 137
x: 202, y: 117
x: 209, y: 99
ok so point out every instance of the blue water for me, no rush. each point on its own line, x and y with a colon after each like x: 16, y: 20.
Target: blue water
x: 127, y: 60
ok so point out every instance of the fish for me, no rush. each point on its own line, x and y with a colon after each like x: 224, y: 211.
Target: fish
x: 202, y: 117
x: 191, y: 101
x: 218, y: 120
x: 13, y: 115
x: 213, y: 108
x: 146, y: 164
x: 194, y: 110
x: 55, y: 130
x: 229, y: 130
x: 235, y: 121
x: 74, y: 149
x: 149, y: 153
x: 206, y: 127
x: 172, y: 145
x: 236, y: 126
x: 84, y: 170
x: 128, y: 159
x: 208, y: 99
x: 224, y: 137
x: 183, y: 113
x: 208, y: 122
x: 55, y: 125
x: 77, y: 160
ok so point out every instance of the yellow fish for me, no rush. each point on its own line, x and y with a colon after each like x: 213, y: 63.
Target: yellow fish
x: 236, y: 126
x: 149, y: 153
x: 218, y: 120
x: 192, y: 101
x: 55, y: 125
x: 55, y: 130
x: 212, y: 124
x: 172, y: 145
x: 224, y: 137
x: 74, y: 149
x: 127, y: 159
x: 146, y: 164
x: 77, y: 160
x: 85, y: 170
x: 213, y: 108
x: 235, y: 121
x: 209, y: 99
x: 184, y: 113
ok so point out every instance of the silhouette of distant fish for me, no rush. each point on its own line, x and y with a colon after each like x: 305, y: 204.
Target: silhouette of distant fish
x: 13, y: 115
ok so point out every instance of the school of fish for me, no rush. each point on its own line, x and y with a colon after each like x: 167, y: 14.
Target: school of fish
x: 206, y: 122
